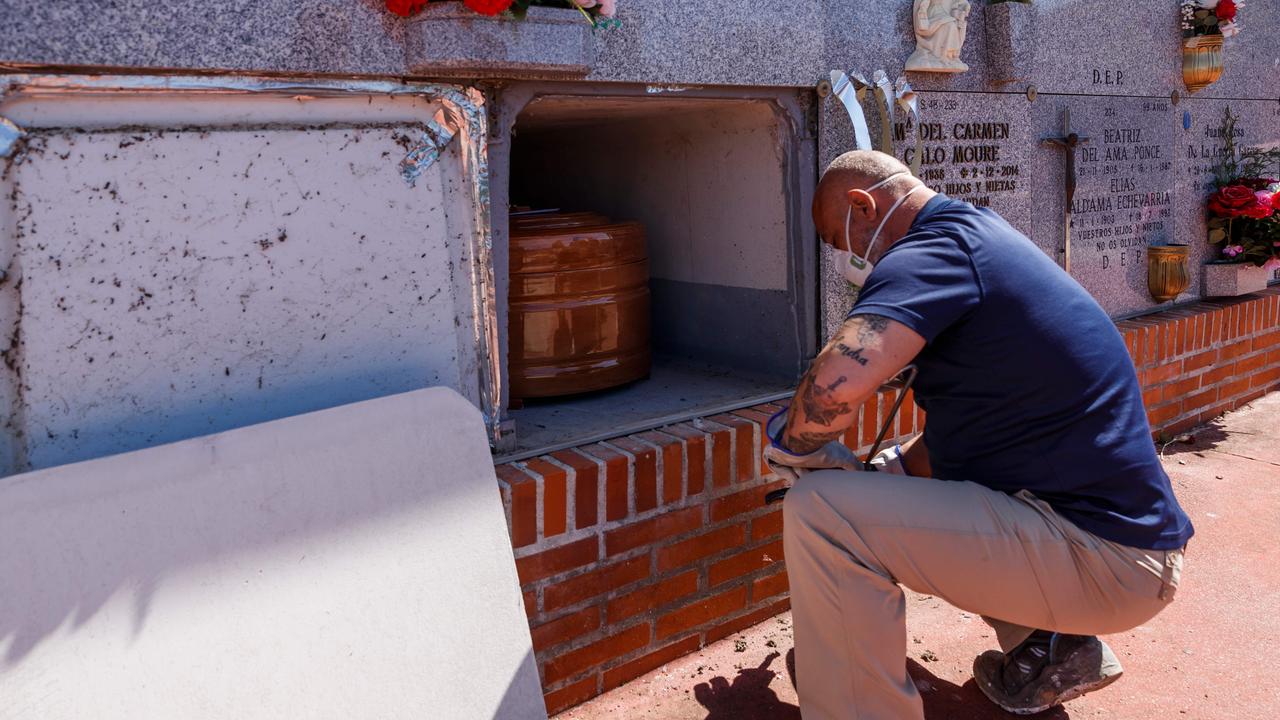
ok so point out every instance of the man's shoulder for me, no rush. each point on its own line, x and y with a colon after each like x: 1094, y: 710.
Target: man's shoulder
x: 935, y: 240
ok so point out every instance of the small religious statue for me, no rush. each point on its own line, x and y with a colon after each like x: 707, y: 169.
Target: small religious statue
x: 940, y: 27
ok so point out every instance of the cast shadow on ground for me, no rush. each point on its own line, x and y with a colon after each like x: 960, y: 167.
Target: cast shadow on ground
x: 1197, y: 440
x: 945, y: 700
x: 751, y: 697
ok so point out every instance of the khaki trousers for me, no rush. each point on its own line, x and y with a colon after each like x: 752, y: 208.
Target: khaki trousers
x: 851, y: 538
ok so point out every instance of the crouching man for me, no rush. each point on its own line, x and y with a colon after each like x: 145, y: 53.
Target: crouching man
x: 1034, y: 497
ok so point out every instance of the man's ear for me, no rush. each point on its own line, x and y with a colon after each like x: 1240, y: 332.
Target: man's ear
x: 864, y: 206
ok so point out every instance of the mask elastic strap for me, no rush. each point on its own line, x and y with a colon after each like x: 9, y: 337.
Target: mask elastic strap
x: 848, y: 215
x: 889, y: 214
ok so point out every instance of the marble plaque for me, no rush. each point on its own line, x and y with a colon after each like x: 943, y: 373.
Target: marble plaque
x: 974, y: 147
x: 1200, y: 143
x: 1125, y: 196
x: 1098, y: 47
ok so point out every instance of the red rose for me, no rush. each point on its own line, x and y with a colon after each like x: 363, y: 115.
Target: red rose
x: 1257, y: 211
x: 405, y: 8
x: 1226, y: 10
x: 1231, y: 200
x: 1275, y: 202
x: 492, y: 7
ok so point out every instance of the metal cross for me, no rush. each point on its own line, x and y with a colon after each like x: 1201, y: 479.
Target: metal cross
x: 1069, y: 141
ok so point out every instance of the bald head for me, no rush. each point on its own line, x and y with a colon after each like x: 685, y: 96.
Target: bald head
x: 857, y: 169
x: 842, y: 194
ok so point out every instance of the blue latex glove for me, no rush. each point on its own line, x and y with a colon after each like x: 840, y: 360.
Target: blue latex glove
x: 791, y: 466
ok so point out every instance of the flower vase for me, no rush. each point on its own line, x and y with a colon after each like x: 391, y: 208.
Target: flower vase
x: 1201, y: 61
x: 449, y: 40
x: 1228, y: 279
x: 1167, y: 275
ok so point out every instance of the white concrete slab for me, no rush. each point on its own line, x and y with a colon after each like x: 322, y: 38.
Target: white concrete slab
x: 348, y: 563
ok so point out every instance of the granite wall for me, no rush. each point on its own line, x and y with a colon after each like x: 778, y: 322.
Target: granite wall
x: 1115, y: 66
x: 1134, y: 45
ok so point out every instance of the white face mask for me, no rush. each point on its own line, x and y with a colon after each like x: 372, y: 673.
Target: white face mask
x: 856, y: 269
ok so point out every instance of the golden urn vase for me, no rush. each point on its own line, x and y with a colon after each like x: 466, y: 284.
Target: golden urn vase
x: 1167, y: 274
x: 1201, y: 61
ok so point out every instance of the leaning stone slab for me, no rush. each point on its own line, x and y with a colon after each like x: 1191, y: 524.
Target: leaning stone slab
x: 348, y: 563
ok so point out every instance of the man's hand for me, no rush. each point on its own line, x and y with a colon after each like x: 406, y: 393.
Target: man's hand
x: 866, y: 352
x: 791, y: 466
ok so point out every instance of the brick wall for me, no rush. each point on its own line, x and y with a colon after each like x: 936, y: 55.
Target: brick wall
x: 639, y: 550
x: 1199, y: 361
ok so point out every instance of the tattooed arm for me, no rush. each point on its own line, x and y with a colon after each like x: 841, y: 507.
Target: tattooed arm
x: 867, y: 351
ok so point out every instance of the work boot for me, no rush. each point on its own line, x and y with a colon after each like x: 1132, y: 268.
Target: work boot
x: 1047, y: 669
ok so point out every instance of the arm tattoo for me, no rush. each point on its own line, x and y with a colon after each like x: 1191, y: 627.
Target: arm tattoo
x: 807, y: 442
x: 871, y: 328
x: 854, y: 354
x: 819, y: 405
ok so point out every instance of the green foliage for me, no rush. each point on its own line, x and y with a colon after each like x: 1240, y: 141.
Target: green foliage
x: 1251, y: 167
x: 1234, y: 163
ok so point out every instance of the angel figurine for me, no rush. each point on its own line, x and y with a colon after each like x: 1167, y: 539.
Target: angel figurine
x: 940, y: 27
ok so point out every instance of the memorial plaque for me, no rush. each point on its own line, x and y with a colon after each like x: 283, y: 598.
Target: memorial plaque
x: 973, y: 149
x: 1125, y: 195
x: 1200, y: 143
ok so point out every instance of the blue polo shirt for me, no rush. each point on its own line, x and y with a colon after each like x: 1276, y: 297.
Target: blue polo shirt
x: 1026, y: 382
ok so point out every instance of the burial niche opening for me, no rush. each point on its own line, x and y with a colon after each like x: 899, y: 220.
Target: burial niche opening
x: 673, y: 221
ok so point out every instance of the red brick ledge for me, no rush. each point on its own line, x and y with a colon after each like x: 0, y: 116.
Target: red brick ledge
x: 638, y: 550
x: 1198, y: 361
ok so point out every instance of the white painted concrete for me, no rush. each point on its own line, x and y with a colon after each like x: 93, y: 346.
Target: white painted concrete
x: 175, y: 280
x: 349, y: 563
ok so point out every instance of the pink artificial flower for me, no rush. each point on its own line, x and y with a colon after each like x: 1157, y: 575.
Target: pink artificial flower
x: 1265, y: 198
x: 1232, y: 250
x: 608, y: 8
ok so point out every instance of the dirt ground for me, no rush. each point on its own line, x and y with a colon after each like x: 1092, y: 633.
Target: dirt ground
x: 1209, y: 656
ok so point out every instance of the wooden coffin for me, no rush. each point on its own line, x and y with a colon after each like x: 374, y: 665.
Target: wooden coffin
x: 579, y: 305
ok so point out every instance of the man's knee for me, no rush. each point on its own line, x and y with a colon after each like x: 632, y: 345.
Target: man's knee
x: 817, y: 512
x: 808, y: 502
